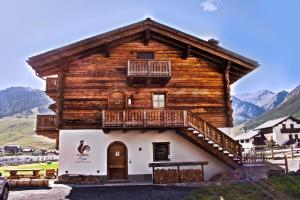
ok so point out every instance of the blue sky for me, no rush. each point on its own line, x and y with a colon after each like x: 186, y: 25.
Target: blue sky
x: 265, y: 30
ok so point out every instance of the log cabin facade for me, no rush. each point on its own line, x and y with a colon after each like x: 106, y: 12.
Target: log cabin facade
x: 146, y: 86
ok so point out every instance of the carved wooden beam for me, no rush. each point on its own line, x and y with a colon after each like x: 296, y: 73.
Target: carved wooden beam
x: 106, y: 50
x: 187, y: 52
x: 227, y: 94
x: 147, y: 37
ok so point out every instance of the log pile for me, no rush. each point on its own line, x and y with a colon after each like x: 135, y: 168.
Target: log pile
x: 25, y: 182
x: 164, y: 176
x: 80, y: 179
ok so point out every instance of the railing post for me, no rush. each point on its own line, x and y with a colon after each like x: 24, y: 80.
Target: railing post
x: 124, y: 114
x: 144, y: 118
x: 149, y: 69
x: 204, y: 129
x: 128, y: 69
x: 169, y: 68
x: 185, y: 118
x: 103, y: 118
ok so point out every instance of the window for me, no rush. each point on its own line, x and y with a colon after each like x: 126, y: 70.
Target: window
x: 296, y: 137
x: 159, y: 100
x: 161, y: 151
x: 283, y: 126
x: 242, y: 141
x: 247, y: 140
x: 292, y: 126
x: 145, y: 55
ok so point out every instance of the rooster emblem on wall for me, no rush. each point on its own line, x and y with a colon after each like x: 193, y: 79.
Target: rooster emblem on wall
x: 83, y: 149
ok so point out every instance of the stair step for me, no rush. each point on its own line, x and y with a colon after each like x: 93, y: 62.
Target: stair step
x: 196, y: 132
x: 225, y: 152
x: 191, y: 129
x: 215, y: 145
x: 210, y: 142
x: 230, y: 155
x: 220, y: 148
x: 200, y: 135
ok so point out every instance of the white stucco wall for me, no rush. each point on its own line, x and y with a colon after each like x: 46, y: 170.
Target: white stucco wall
x: 281, y: 138
x: 180, y: 149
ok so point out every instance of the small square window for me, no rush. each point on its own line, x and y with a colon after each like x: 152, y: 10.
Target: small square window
x: 159, y: 100
x: 161, y: 151
x: 145, y: 55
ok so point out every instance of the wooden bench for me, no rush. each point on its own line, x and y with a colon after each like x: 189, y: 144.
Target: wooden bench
x: 51, y: 174
x: 14, y: 173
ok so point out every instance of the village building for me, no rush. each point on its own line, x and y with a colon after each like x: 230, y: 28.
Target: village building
x: 138, y: 95
x: 276, y: 132
x: 12, y: 149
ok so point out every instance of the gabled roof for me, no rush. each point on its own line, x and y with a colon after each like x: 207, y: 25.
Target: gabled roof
x: 248, y: 135
x: 275, y: 122
x: 48, y: 63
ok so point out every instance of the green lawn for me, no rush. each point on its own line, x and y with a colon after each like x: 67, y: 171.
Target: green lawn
x: 285, y: 188
x: 53, y: 165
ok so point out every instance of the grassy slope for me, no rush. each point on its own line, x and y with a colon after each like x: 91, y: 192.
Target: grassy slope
x: 20, y: 131
x: 284, y: 188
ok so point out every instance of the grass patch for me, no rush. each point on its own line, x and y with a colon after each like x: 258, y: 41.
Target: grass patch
x: 284, y: 187
x: 44, y: 166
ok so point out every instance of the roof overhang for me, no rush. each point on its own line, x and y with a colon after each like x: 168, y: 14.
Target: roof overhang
x: 50, y: 62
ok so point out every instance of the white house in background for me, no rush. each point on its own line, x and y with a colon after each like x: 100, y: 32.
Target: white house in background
x: 280, y: 131
x: 251, y: 139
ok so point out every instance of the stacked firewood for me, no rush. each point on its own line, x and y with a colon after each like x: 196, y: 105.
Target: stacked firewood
x: 190, y: 175
x: 79, y: 179
x: 164, y: 176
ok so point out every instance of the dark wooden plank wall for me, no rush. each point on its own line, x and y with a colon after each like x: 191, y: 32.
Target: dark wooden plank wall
x: 196, y: 84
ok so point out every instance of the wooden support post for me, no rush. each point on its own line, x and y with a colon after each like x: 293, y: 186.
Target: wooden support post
x: 60, y: 99
x: 147, y: 37
x: 202, y: 169
x: 286, y: 164
x: 292, y: 150
x: 178, y: 174
x: 227, y: 95
x: 153, y: 171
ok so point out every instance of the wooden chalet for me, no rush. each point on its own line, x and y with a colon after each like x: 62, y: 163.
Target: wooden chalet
x: 144, y: 77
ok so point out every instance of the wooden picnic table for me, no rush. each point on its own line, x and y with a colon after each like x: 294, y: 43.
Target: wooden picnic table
x: 13, y: 173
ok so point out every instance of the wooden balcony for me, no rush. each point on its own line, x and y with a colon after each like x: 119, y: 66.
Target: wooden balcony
x: 46, y: 122
x: 149, y: 71
x: 150, y: 118
x: 51, y: 87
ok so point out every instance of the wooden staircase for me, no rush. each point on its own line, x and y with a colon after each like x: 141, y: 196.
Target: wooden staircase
x: 212, y: 140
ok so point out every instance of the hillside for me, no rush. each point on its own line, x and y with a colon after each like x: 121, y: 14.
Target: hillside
x: 291, y: 106
x: 20, y: 130
x: 15, y: 100
x: 249, y: 106
x: 18, y: 109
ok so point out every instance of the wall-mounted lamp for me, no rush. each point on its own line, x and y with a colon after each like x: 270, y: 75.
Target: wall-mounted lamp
x: 140, y: 148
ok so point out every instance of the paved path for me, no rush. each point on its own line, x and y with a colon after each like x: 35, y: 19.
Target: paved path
x: 141, y: 192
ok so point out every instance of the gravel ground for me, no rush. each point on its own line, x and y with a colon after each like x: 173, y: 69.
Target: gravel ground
x: 104, y: 192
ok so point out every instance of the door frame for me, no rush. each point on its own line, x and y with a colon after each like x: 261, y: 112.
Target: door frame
x: 126, y: 159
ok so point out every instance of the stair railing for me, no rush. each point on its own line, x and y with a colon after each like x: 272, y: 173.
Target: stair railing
x: 210, y: 132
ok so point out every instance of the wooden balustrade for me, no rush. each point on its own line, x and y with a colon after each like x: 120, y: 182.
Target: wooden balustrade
x: 147, y: 118
x: 46, y: 123
x: 51, y: 84
x: 149, y: 68
x: 212, y: 133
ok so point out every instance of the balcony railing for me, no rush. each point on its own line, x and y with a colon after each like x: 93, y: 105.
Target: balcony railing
x: 51, y: 84
x: 150, y: 118
x: 46, y: 123
x: 149, y: 68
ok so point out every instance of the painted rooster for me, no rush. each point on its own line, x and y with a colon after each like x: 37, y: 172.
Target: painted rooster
x: 83, y: 149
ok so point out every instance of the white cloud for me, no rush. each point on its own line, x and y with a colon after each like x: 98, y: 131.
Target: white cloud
x: 210, y: 5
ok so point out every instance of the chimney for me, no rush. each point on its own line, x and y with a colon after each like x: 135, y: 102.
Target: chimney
x: 213, y: 42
